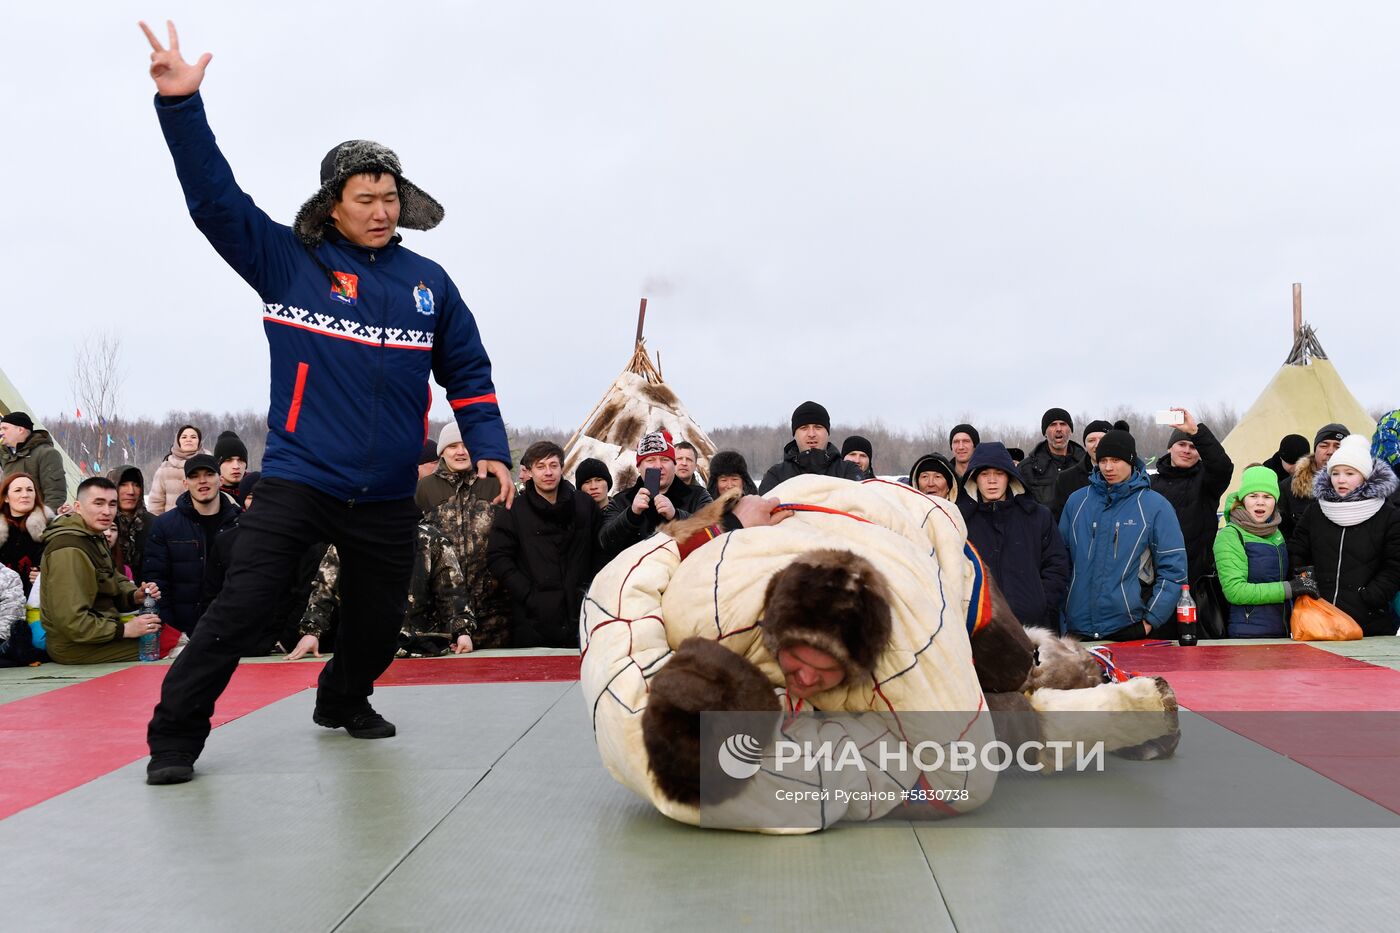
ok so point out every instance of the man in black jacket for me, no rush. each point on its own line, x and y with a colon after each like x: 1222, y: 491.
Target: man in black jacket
x: 634, y: 514
x: 1193, y: 475
x: 1077, y: 476
x: 544, y: 551
x: 810, y: 451
x: 1051, y: 456
x: 182, y: 541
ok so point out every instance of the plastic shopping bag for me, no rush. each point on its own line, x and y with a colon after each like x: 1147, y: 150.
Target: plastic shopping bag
x: 1318, y: 620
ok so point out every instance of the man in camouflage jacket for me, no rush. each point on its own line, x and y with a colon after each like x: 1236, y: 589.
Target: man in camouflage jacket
x: 438, y: 612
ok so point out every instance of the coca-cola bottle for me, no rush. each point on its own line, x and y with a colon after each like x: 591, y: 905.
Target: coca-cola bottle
x: 1186, y: 619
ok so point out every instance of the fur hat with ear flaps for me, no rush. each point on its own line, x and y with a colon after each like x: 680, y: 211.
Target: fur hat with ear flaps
x: 834, y: 601
x: 701, y: 676
x: 417, y: 209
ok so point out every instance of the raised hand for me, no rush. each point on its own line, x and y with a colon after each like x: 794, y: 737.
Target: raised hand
x: 174, y: 77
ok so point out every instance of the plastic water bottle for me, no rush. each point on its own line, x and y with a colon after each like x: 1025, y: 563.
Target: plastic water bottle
x: 148, y: 645
x: 1186, y: 619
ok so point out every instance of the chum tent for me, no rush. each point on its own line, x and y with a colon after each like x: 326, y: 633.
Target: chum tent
x: 638, y: 402
x: 11, y: 400
x: 1306, y: 393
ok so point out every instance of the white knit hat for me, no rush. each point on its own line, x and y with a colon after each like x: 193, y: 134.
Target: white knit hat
x: 450, y: 434
x: 1355, y: 452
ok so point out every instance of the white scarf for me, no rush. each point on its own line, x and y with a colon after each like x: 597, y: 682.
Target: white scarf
x: 1348, y: 514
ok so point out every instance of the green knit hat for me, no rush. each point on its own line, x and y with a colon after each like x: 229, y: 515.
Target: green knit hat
x: 1255, y: 479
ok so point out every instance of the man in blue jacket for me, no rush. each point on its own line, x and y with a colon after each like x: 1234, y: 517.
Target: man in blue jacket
x: 1127, y: 556
x: 355, y: 325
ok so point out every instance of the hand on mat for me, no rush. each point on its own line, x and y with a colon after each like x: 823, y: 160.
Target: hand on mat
x: 502, y: 473
x: 463, y: 645
x: 141, y: 625
x: 308, y: 643
x: 754, y: 511
x: 174, y: 76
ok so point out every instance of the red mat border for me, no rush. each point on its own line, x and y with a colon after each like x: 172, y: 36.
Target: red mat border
x: 62, y: 739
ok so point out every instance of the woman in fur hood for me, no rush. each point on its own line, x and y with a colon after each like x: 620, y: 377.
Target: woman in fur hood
x: 862, y: 602
x: 22, y: 522
x: 1351, y: 537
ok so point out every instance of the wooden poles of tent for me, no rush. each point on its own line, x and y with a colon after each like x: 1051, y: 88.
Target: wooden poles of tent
x: 1297, y: 311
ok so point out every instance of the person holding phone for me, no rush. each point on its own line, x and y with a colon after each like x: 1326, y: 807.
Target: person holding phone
x: 635, y: 513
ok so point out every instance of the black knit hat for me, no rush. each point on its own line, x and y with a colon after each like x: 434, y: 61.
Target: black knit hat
x: 1180, y: 435
x: 1293, y: 447
x: 1330, y: 432
x: 429, y: 453
x: 1053, y: 415
x: 1117, y: 444
x: 247, y: 484
x: 19, y: 419
x: 967, y: 429
x: 1097, y: 426
x: 810, y: 413
x: 200, y: 462
x: 591, y: 468
x: 228, y: 446
x: 857, y: 443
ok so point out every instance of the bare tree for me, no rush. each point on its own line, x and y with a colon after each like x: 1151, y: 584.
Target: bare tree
x: 97, y: 384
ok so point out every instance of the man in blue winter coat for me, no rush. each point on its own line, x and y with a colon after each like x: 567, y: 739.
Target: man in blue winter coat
x: 1127, y: 556
x: 355, y: 325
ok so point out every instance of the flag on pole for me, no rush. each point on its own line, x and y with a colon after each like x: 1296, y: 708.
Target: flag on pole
x: 82, y: 465
x: 109, y: 440
x: 85, y: 449
x: 77, y: 412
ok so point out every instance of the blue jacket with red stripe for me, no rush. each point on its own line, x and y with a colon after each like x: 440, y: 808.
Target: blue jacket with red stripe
x: 354, y: 335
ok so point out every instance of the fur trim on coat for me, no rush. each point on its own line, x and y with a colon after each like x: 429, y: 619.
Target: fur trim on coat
x: 1305, y: 472
x: 701, y: 676
x: 1381, y: 484
x: 835, y: 601
x: 35, y: 524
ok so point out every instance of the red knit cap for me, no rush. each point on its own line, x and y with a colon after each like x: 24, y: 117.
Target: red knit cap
x: 656, y: 444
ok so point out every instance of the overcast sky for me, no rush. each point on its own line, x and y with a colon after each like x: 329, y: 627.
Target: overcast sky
x: 908, y: 211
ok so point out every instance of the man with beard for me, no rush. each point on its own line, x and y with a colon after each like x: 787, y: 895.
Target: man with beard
x: 810, y: 451
x: 1051, y: 456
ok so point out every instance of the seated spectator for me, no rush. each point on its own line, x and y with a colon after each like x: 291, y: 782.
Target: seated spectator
x: 244, y: 497
x: 686, y: 462
x: 861, y: 452
x: 730, y: 471
x: 1252, y: 561
x: 933, y: 474
x: 1052, y: 456
x: 231, y: 455
x: 25, y: 450
x: 1351, y: 538
x: 183, y: 538
x: 82, y: 594
x: 1016, y: 537
x: 1298, y: 492
x: 962, y: 440
x: 456, y: 502
x: 810, y: 452
x: 134, y: 520
x: 1114, y: 529
x: 1193, y: 475
x: 634, y: 514
x: 544, y: 550
x: 12, y: 602
x: 168, y: 484
x: 453, y: 478
x: 1291, y: 449
x: 22, y: 522
x: 594, y: 479
x: 1077, y: 476
x: 436, y: 617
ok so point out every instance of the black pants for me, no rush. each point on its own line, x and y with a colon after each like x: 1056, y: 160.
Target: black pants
x: 375, y: 542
